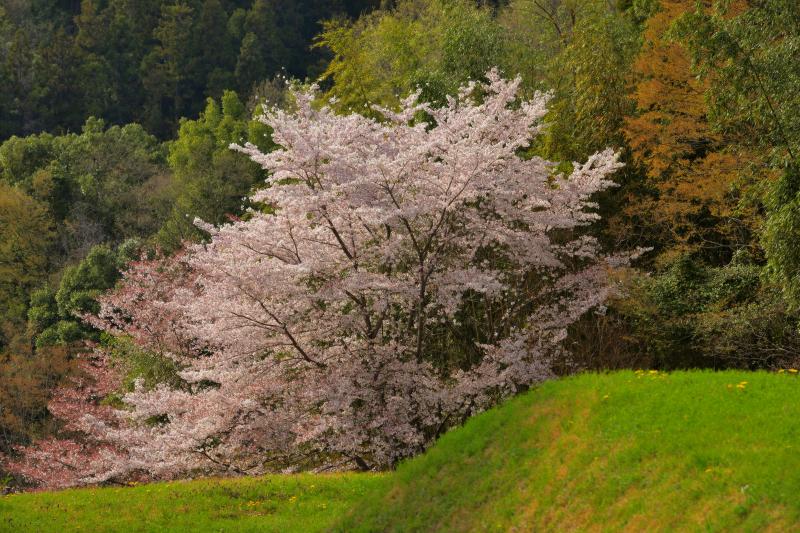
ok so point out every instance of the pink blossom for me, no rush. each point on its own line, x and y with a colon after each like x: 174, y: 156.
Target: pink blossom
x: 311, y: 335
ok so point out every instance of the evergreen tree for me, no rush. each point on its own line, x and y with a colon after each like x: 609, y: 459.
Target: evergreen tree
x: 211, y: 181
x: 165, y: 70
x: 216, y: 49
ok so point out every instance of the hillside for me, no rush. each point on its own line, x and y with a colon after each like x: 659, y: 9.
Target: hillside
x: 634, y: 451
x: 711, y: 451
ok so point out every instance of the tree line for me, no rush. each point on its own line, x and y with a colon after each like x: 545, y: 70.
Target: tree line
x: 150, y: 62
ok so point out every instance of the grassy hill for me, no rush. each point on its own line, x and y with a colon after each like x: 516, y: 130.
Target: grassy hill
x: 631, y: 451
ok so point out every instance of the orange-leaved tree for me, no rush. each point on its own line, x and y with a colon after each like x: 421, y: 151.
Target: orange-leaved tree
x: 691, y: 171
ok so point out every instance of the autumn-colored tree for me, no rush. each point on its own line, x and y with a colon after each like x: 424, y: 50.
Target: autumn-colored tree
x: 690, y: 169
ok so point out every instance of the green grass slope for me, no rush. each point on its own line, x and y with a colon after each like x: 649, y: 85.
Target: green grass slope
x: 624, y: 451
x: 274, y: 503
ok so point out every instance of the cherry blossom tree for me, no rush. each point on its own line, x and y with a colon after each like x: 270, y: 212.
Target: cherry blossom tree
x: 401, y: 275
x: 75, y: 456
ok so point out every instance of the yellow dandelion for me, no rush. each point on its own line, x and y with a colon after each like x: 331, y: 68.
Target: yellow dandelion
x: 793, y: 370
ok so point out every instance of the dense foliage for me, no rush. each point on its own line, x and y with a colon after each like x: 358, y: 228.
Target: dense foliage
x: 147, y: 61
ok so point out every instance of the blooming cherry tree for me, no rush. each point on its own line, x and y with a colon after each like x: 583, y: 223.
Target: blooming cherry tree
x: 312, y: 331
x: 74, y: 457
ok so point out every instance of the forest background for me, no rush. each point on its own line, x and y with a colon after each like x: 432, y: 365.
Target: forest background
x: 116, y: 117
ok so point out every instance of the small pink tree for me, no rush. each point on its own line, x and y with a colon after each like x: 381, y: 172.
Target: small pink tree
x: 75, y: 456
x: 313, y: 331
x: 82, y: 452
x: 141, y: 306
